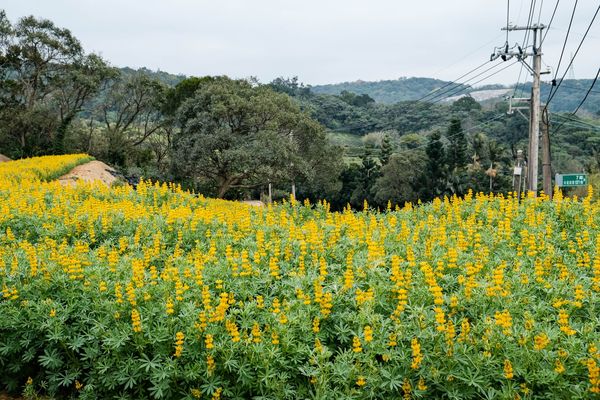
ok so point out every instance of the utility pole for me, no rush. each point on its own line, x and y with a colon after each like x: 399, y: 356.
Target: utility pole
x: 506, y: 53
x: 546, y: 160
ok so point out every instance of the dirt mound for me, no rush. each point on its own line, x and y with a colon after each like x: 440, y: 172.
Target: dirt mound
x: 3, y: 158
x: 255, y: 203
x: 90, y: 172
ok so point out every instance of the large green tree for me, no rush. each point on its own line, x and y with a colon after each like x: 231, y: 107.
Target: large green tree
x: 236, y: 135
x: 400, y: 180
x: 45, y: 80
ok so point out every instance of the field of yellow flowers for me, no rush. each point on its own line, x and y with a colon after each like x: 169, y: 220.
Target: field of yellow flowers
x: 160, y: 293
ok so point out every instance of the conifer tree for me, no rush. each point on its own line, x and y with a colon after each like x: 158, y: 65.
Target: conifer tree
x: 436, y: 157
x: 457, y: 150
x: 387, y: 149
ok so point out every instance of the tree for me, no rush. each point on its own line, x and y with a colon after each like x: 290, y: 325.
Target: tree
x: 131, y: 113
x: 434, y: 174
x: 184, y: 90
x: 387, y: 148
x: 494, y: 153
x: 457, y: 150
x: 466, y: 103
x: 82, y: 81
x: 290, y: 86
x: 45, y: 80
x: 366, y: 176
x: 354, y: 99
x: 400, y: 180
x: 237, y: 135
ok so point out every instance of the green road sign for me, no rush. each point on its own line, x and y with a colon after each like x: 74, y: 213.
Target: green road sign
x: 571, y: 180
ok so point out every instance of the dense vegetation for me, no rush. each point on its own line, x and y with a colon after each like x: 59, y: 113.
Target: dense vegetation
x: 159, y: 293
x: 232, y: 138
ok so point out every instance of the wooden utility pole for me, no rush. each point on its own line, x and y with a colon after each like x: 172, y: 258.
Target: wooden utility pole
x: 546, y: 157
x: 534, y: 118
x: 507, y: 53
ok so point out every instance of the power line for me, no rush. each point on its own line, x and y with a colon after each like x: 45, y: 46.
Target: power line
x: 454, y: 93
x: 587, y: 93
x: 452, y: 136
x: 571, y: 118
x: 468, y: 54
x: 574, y: 113
x: 529, y: 19
x: 573, y: 58
x: 452, y: 82
x: 442, y: 93
x: 518, y: 81
x: 577, y: 88
x: 562, y: 52
x: 550, y: 23
x: 540, y: 13
x: 507, y: 18
x: 526, y: 38
x: 573, y: 125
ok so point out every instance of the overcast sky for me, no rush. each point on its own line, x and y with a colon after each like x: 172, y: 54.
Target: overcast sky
x: 320, y: 41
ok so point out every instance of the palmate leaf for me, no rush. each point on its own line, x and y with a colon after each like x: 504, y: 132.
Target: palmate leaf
x: 391, y: 379
x: 29, y: 354
x: 67, y: 378
x: 6, y: 348
x: 148, y: 364
x: 51, y: 359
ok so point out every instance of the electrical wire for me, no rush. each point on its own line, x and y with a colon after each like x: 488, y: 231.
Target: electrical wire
x: 452, y: 136
x: 562, y: 52
x: 455, y: 92
x: 529, y: 20
x: 574, y: 118
x: 587, y: 93
x: 526, y: 39
x: 573, y: 58
x: 518, y: 81
x: 540, y: 13
x: 578, y: 88
x: 575, y: 125
x: 550, y: 23
x: 507, y: 18
x: 452, y: 82
x: 574, y: 113
x: 450, y: 89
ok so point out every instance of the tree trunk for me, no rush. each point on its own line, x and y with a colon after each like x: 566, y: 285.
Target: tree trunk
x: 223, y: 188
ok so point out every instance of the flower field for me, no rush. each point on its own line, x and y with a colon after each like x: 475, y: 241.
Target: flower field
x: 159, y: 293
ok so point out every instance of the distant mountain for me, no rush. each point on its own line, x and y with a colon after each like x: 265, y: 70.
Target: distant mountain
x: 569, y: 95
x: 390, y: 91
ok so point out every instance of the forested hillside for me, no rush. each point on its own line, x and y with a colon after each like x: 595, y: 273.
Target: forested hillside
x: 567, y: 98
x: 387, y: 91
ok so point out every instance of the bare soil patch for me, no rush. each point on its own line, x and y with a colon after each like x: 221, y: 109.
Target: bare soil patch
x: 255, y: 203
x: 90, y: 172
x: 3, y: 158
